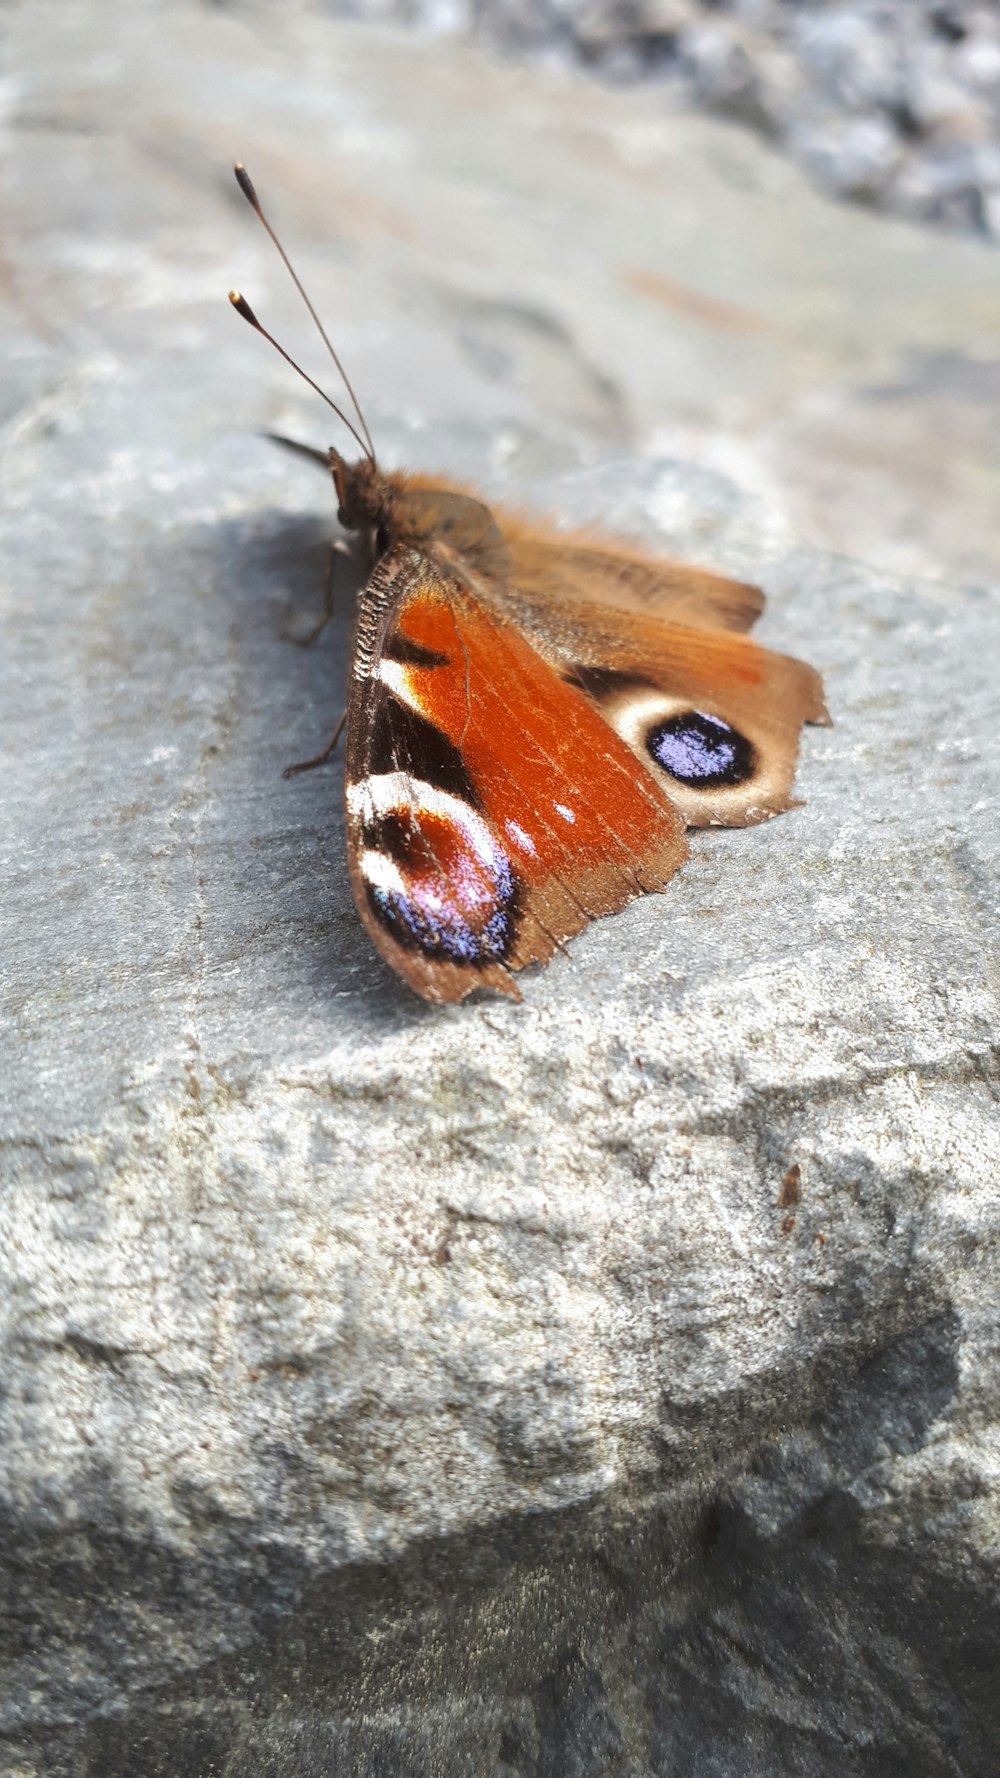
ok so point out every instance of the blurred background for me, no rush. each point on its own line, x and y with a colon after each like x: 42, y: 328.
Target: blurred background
x: 755, y: 237
x: 892, y: 102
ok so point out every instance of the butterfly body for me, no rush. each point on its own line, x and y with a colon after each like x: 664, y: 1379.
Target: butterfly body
x: 529, y: 732
x: 534, y: 717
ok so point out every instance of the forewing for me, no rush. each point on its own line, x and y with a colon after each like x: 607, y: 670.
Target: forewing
x: 492, y: 810
x: 578, y: 568
x: 547, y: 564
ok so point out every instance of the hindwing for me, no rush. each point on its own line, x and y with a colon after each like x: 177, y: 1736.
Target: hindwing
x: 714, y: 717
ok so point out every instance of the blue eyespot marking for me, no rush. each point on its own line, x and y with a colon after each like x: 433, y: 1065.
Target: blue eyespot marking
x: 462, y: 916
x: 701, y: 750
x: 436, y: 877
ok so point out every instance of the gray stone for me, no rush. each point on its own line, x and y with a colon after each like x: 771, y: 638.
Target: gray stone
x: 951, y: 184
x: 848, y: 156
x: 397, y: 1391
x: 854, y: 87
x: 722, y: 71
x: 991, y: 213
x: 853, y: 54
x: 940, y: 103
x: 977, y: 62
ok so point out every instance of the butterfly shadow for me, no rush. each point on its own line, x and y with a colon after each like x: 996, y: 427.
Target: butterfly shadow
x: 272, y: 573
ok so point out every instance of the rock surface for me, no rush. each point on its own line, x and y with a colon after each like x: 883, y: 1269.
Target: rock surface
x: 895, y: 102
x: 396, y: 1391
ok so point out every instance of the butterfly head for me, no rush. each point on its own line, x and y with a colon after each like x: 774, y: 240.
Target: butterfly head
x: 364, y: 494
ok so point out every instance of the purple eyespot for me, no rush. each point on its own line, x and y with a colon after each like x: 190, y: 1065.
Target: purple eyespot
x: 436, y: 877
x: 701, y: 750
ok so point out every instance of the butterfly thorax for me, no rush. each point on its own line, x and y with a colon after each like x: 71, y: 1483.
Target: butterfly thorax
x: 421, y: 513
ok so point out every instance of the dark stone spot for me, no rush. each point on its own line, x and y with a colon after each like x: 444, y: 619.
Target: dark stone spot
x: 946, y: 23
x: 702, y: 751
x: 791, y: 1188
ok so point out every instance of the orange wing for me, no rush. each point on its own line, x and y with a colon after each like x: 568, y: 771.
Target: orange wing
x: 715, y: 718
x: 492, y: 811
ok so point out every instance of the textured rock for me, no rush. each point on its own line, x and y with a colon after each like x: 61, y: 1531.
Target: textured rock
x: 855, y: 89
x: 390, y: 1390
x: 849, y: 156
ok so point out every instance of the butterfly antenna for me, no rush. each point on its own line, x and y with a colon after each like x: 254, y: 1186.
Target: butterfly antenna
x: 249, y: 191
x: 243, y: 308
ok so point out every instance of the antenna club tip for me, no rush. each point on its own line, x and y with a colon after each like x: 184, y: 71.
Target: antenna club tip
x: 246, y: 185
x: 242, y: 307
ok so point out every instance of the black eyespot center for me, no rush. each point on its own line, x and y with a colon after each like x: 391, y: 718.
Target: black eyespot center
x: 701, y: 751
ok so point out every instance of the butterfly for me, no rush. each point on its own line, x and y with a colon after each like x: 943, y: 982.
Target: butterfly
x: 534, y: 719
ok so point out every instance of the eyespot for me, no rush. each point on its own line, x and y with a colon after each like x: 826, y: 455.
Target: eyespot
x: 436, y: 877
x: 701, y: 750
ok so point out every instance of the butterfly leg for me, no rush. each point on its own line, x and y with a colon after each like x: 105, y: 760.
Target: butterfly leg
x: 306, y: 765
x: 316, y: 632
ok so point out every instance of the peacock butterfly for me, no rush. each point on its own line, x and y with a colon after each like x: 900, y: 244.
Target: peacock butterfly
x: 534, y: 718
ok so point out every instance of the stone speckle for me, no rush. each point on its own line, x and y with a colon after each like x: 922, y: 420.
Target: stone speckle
x: 400, y: 1391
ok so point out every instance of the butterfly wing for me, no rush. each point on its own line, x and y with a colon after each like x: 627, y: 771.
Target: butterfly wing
x: 576, y: 565
x: 492, y: 811
x: 554, y: 565
x: 579, y: 568
x: 712, y: 716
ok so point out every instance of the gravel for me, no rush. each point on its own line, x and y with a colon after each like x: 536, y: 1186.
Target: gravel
x: 894, y: 103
